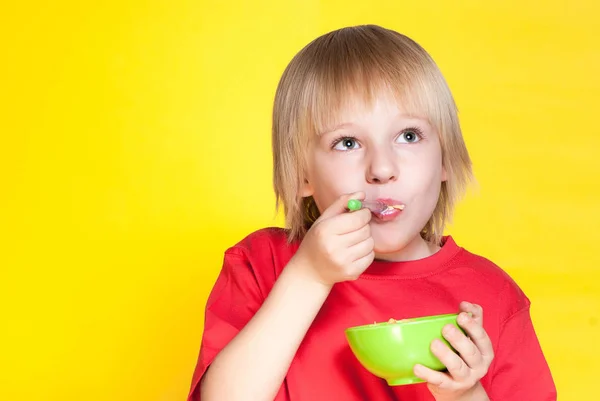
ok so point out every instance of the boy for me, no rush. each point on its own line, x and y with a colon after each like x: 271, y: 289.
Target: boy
x: 364, y: 113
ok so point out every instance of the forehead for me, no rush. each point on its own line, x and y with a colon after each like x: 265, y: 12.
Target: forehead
x: 353, y: 106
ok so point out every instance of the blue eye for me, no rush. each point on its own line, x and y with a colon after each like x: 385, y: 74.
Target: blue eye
x: 409, y: 136
x: 345, y: 143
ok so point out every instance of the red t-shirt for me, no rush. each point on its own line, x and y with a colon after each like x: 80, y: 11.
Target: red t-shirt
x: 325, y: 369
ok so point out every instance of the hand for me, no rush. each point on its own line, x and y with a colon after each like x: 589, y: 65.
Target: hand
x: 338, y: 246
x: 461, y: 382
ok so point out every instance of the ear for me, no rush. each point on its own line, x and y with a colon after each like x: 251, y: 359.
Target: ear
x: 444, y: 174
x: 306, y: 189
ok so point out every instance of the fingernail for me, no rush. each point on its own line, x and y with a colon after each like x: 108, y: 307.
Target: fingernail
x: 463, y: 318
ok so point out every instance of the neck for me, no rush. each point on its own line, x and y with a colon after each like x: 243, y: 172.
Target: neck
x: 416, y: 249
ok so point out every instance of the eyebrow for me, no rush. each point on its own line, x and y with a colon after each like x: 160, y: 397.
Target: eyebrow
x: 335, y: 128
x: 348, y: 125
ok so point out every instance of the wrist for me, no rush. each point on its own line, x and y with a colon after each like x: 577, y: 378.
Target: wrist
x: 475, y: 393
x: 303, y: 271
x: 478, y: 393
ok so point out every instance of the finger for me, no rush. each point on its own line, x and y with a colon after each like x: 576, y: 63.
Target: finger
x: 457, y: 368
x: 474, y: 310
x: 363, y: 263
x: 433, y: 377
x: 468, y: 351
x: 478, y: 336
x: 357, y: 236
x: 345, y: 223
x: 361, y: 249
x: 339, y: 205
x: 350, y: 222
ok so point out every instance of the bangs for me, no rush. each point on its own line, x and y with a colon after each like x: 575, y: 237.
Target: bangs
x: 351, y: 71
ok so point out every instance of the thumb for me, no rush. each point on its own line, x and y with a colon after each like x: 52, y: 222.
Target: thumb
x: 473, y: 310
x: 340, y: 205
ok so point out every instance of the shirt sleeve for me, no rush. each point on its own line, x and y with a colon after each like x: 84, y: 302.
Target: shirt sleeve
x: 520, y: 371
x: 232, y: 302
x: 236, y: 296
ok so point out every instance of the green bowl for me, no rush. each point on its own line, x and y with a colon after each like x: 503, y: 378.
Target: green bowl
x: 391, y: 350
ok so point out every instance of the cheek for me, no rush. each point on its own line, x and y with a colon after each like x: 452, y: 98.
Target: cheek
x: 425, y: 172
x: 431, y: 164
x: 326, y: 191
x: 336, y: 171
x: 332, y: 184
x: 423, y: 182
x: 334, y: 176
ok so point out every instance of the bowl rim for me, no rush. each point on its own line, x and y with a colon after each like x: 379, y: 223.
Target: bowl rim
x: 401, y: 322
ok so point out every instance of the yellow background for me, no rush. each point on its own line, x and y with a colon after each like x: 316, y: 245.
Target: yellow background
x: 136, y: 147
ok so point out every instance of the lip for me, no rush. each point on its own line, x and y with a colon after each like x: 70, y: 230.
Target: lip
x: 390, y: 201
x: 389, y: 214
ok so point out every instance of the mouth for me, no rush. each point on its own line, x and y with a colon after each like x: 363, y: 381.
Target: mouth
x: 394, y: 209
x: 394, y: 203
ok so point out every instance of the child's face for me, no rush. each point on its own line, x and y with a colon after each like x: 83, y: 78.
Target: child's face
x: 387, y: 154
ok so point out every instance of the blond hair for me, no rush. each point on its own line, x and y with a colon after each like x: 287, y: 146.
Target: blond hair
x: 359, y: 62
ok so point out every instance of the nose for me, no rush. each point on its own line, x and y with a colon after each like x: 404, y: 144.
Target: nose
x: 383, y: 167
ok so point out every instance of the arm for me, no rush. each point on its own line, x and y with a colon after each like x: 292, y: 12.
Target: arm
x: 253, y: 365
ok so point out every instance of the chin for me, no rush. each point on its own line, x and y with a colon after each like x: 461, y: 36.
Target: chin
x: 393, y: 243
x: 386, y: 244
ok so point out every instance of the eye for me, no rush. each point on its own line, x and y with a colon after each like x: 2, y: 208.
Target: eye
x: 410, y: 135
x: 345, y: 143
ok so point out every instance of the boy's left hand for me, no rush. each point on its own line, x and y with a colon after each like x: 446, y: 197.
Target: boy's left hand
x: 461, y: 382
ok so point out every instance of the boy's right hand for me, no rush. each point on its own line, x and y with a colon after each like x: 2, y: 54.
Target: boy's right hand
x: 338, y: 247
